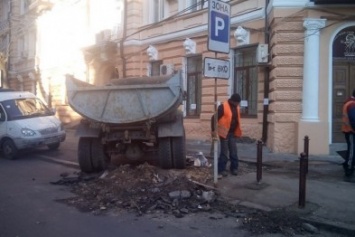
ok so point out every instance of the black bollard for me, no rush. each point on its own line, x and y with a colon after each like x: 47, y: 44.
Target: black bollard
x: 259, y: 161
x: 306, y: 150
x: 302, y: 184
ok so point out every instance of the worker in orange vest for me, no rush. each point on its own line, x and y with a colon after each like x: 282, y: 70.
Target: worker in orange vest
x: 348, y: 128
x: 228, y: 129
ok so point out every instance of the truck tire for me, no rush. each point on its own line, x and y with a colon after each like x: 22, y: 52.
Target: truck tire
x: 98, y: 157
x: 9, y: 149
x: 164, y: 153
x: 84, y: 155
x: 178, y: 152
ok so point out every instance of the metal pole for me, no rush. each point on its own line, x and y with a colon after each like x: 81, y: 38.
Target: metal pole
x: 302, y: 181
x: 306, y: 150
x: 215, y: 139
x: 259, y: 161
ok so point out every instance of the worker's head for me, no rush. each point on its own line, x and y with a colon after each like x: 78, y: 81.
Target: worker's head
x: 235, y: 98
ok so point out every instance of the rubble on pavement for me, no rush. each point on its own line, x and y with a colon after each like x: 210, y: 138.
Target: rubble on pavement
x: 146, y: 189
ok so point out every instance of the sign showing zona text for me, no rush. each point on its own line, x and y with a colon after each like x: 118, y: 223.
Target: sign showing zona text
x: 218, y: 26
x: 216, y: 68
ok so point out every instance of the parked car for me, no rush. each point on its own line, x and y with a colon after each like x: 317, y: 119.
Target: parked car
x: 26, y: 122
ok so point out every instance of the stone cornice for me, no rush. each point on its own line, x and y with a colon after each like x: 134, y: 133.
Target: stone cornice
x: 288, y: 4
x: 313, y: 23
x: 255, y: 15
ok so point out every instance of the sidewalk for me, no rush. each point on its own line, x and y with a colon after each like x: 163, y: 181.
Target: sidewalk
x: 330, y: 199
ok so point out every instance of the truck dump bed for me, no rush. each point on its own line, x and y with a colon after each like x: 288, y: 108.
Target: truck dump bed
x: 125, y: 101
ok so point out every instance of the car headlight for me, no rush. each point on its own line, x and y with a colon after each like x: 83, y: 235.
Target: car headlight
x: 28, y: 132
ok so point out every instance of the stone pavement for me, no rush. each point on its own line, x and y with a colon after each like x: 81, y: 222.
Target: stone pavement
x: 330, y: 197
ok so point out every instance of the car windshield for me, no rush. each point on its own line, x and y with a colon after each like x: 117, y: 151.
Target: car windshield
x: 25, y: 108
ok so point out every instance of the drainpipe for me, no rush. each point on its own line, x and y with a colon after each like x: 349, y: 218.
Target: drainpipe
x: 9, y: 46
x: 266, y: 79
x: 124, y: 35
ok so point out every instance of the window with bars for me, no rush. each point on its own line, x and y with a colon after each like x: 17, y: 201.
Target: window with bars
x: 193, y: 86
x: 246, y: 79
x: 155, y: 68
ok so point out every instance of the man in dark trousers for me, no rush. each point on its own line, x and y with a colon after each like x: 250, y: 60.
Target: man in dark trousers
x: 228, y: 129
x: 348, y: 128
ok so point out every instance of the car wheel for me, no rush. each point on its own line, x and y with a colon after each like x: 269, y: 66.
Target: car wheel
x: 53, y: 146
x: 9, y: 149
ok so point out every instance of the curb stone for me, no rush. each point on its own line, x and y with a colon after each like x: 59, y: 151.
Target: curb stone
x: 338, y: 227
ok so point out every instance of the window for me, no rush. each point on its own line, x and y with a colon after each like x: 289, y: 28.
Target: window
x: 246, y: 79
x: 195, y: 5
x: 4, y: 10
x: 2, y: 78
x: 156, y: 10
x: 31, y: 44
x: 24, y: 6
x: 194, y: 74
x: 155, y: 68
x: 25, y: 108
x: 2, y: 114
x: 20, y: 46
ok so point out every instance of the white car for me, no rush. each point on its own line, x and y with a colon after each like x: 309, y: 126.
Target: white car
x: 26, y: 122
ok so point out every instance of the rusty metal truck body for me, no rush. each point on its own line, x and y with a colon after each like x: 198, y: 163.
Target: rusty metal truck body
x: 130, y: 117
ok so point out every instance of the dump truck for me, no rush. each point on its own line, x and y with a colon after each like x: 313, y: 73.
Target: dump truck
x: 129, y: 117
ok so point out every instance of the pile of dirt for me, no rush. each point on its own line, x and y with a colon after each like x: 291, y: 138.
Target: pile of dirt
x: 146, y: 189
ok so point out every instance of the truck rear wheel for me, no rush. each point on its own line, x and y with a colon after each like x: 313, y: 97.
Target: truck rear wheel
x: 98, y: 157
x: 84, y: 155
x: 164, y: 153
x: 178, y: 152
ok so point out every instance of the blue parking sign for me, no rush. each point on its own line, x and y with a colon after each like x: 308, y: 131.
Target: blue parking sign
x: 219, y: 31
x: 218, y: 26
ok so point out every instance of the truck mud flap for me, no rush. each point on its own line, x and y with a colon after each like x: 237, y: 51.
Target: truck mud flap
x: 175, y: 129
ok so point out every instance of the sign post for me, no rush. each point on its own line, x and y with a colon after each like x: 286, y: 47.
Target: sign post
x: 218, y: 41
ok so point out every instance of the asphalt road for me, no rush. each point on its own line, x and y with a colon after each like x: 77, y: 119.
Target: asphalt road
x: 28, y: 207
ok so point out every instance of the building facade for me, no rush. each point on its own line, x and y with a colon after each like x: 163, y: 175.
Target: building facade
x: 292, y: 62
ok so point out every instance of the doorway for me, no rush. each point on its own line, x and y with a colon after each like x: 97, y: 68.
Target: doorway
x: 343, y: 85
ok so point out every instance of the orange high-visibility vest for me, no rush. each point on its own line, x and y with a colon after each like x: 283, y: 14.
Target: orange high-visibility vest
x: 225, y: 121
x: 345, y: 127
